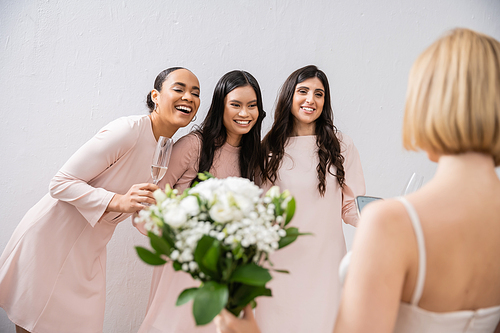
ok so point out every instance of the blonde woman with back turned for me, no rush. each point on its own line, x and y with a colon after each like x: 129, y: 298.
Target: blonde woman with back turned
x: 429, y: 262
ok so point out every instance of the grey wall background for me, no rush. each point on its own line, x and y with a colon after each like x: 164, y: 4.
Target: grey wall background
x: 67, y: 68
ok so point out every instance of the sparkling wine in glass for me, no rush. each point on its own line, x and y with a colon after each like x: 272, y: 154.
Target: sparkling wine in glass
x: 414, y: 183
x: 161, y: 158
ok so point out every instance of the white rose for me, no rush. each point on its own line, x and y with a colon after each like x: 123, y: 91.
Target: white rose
x: 221, y: 213
x: 207, y: 188
x: 175, y: 217
x: 242, y: 186
x: 190, y: 205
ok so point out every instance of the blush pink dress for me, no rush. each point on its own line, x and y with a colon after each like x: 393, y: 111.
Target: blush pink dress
x: 307, y: 299
x: 52, y: 271
x: 162, y: 314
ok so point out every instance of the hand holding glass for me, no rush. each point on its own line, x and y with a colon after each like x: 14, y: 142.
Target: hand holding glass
x: 161, y: 158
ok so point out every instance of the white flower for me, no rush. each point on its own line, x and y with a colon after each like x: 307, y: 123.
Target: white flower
x: 160, y: 196
x: 174, y: 255
x: 190, y: 205
x: 193, y: 266
x: 221, y: 213
x: 185, y: 267
x: 273, y: 192
x: 175, y: 216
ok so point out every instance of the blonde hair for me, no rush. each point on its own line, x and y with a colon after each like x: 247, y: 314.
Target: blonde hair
x: 453, y: 97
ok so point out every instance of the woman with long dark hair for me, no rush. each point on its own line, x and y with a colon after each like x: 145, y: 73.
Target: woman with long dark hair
x: 53, y: 269
x: 226, y: 144
x: 321, y: 168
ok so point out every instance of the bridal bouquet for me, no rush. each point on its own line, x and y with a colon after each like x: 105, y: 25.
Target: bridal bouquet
x: 221, y: 232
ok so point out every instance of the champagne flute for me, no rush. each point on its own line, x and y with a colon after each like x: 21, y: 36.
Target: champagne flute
x: 161, y: 158
x: 414, y: 183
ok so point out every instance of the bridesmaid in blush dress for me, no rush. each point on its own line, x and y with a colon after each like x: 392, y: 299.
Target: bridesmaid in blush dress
x: 322, y: 169
x: 227, y: 145
x: 52, y: 271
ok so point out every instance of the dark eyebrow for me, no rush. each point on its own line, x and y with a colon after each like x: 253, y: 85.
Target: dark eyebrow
x: 235, y: 101
x: 304, y: 87
x: 184, y: 85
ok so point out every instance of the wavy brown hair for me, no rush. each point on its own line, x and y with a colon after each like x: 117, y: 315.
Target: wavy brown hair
x: 326, y: 133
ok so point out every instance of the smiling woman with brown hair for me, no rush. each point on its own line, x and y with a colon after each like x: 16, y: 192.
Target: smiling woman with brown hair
x: 322, y: 169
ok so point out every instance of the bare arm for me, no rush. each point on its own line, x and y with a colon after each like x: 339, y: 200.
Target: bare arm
x: 377, y: 271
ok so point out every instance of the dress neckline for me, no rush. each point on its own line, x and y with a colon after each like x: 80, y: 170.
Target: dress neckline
x: 232, y: 149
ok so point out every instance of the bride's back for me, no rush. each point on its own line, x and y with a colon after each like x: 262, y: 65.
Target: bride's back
x: 453, y: 113
x: 459, y: 211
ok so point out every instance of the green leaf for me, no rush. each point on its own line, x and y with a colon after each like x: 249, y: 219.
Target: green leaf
x: 245, y: 294
x: 212, y: 256
x: 277, y: 206
x: 149, y: 257
x: 205, y: 175
x: 290, y: 210
x: 227, y: 269
x: 177, y: 266
x: 238, y: 251
x: 205, y: 256
x: 168, y: 234
x: 186, y: 295
x: 160, y: 245
x: 281, y: 271
x: 251, y: 274
x: 291, y: 235
x: 209, y: 301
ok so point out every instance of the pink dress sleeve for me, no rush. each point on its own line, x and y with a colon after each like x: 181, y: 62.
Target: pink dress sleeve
x: 71, y: 183
x: 183, y: 166
x: 354, y: 183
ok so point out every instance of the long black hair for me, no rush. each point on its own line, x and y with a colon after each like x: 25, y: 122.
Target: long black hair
x: 213, y: 133
x: 326, y: 138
